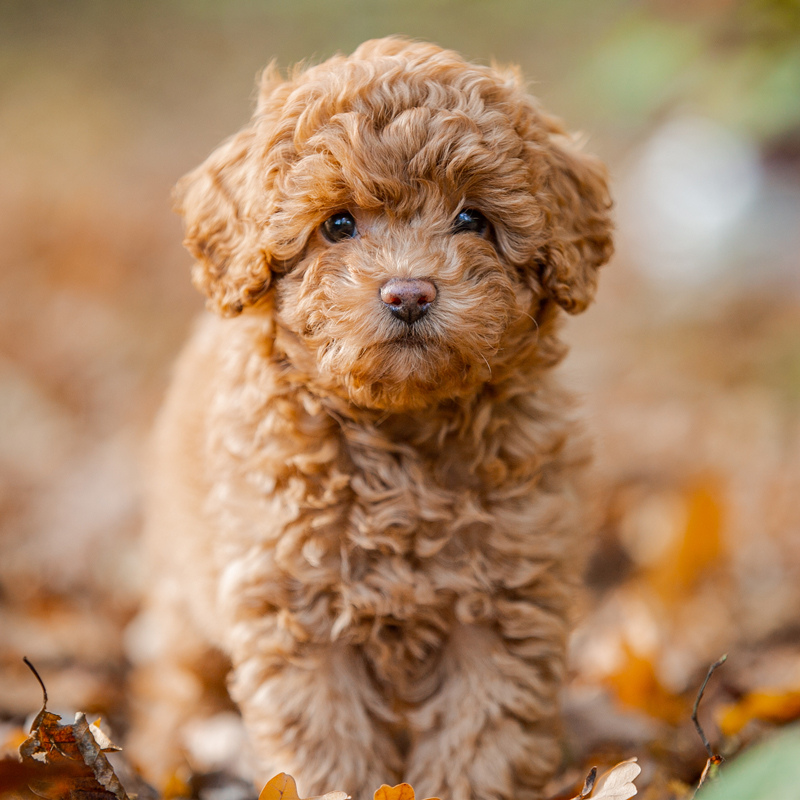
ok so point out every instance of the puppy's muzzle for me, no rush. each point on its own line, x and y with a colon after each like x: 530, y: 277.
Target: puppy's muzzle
x: 408, y: 298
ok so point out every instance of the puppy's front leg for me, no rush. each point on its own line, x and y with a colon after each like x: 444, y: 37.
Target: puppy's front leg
x: 316, y: 715
x: 491, y: 729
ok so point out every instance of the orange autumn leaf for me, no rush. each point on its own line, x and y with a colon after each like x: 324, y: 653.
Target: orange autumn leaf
x: 177, y: 785
x: 697, y: 547
x: 775, y: 707
x: 402, y: 791
x: 283, y: 787
x: 636, y: 685
x: 701, y: 544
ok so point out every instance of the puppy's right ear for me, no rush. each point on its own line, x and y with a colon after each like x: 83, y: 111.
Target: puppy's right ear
x: 216, y: 201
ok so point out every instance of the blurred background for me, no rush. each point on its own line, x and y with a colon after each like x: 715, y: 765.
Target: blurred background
x: 688, y: 364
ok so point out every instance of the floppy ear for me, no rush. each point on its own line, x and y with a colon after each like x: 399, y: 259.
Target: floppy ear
x: 579, y: 240
x: 214, y: 199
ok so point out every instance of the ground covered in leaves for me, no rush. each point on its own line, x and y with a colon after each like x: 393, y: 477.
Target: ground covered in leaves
x: 691, y: 391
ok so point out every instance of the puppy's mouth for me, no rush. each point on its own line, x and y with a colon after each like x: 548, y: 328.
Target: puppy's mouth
x: 397, y: 366
x: 411, y: 338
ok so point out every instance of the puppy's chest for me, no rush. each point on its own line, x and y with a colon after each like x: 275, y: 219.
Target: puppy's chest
x: 410, y: 560
x: 395, y: 544
x: 342, y: 535
x: 377, y: 545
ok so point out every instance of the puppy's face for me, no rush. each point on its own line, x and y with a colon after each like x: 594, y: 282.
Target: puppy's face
x: 408, y: 213
x: 401, y: 311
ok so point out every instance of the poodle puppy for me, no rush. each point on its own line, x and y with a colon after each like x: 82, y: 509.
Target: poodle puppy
x: 364, y: 494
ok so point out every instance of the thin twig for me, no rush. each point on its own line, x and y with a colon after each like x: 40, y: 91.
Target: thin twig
x: 712, y: 762
x: 718, y: 663
x: 38, y: 678
x: 714, y: 759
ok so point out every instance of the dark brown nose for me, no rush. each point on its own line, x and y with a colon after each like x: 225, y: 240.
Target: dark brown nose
x: 408, y: 298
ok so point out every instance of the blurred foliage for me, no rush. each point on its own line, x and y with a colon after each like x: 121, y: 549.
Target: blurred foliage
x: 769, y: 771
x: 739, y: 62
x: 609, y: 66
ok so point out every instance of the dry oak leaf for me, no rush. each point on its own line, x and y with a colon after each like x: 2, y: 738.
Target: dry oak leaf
x: 80, y: 743
x: 67, y: 762
x: 616, y: 784
x: 17, y: 778
x: 283, y: 787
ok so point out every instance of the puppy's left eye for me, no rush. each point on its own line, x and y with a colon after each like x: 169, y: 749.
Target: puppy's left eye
x: 339, y: 227
x: 470, y: 220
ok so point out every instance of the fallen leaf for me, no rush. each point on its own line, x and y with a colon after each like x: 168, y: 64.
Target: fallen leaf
x: 696, y: 548
x: 702, y: 540
x: 103, y: 742
x: 775, y: 707
x: 402, y: 791
x: 636, y: 684
x: 617, y: 783
x: 17, y: 777
x: 53, y: 743
x: 588, y: 785
x: 177, y: 784
x: 283, y: 787
x: 69, y: 759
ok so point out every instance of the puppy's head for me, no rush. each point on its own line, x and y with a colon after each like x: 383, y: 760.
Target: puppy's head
x: 407, y: 214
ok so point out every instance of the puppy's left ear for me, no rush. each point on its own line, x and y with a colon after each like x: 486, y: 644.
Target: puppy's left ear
x: 216, y: 201
x: 579, y: 206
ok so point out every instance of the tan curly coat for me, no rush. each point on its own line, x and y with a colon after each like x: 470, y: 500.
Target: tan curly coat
x: 377, y: 527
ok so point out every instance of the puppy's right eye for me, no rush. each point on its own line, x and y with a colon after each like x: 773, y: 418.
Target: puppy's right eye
x: 339, y: 227
x: 470, y: 220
